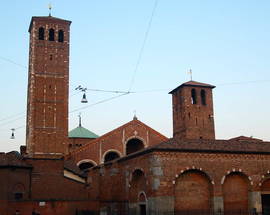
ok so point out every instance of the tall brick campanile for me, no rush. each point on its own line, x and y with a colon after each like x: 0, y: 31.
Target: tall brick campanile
x: 193, y: 115
x: 48, y: 79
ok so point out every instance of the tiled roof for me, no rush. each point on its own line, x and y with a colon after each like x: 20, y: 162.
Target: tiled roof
x: 249, y: 146
x: 13, y: 159
x: 193, y: 84
x: 244, y: 138
x: 227, y: 146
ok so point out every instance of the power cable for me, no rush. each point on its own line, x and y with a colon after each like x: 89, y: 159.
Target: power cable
x: 12, y: 120
x: 12, y: 116
x: 102, y: 101
x: 143, y: 45
x: 13, y: 62
x: 109, y: 91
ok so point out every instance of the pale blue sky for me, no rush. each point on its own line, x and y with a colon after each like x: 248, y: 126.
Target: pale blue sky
x: 223, y: 42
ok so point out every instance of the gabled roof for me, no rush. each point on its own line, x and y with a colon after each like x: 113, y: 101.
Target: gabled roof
x: 81, y: 132
x: 132, y: 122
x: 193, y: 84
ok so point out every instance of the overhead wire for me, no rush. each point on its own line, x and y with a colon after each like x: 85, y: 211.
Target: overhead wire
x: 143, y: 45
x: 99, y: 102
x: 13, y: 62
x: 12, y: 116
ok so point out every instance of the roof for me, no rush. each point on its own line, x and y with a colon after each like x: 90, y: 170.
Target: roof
x: 248, y: 146
x: 71, y: 166
x: 13, y: 159
x: 81, y: 132
x: 130, y: 123
x: 51, y: 18
x: 244, y: 138
x: 193, y: 84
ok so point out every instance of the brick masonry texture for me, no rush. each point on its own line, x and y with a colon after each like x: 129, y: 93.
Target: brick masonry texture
x: 146, y: 173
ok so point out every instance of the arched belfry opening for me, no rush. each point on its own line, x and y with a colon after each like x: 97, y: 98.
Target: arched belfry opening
x: 110, y: 156
x: 61, y: 36
x: 203, y: 97
x: 51, y: 34
x: 193, y: 96
x: 41, y: 33
x: 134, y: 145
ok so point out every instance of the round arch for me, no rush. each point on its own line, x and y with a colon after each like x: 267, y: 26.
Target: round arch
x: 86, y: 164
x: 134, y: 144
x: 137, y: 186
x: 235, y: 188
x: 110, y: 155
x: 265, y: 192
x: 193, y: 192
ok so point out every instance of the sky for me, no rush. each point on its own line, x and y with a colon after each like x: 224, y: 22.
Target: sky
x: 225, y: 43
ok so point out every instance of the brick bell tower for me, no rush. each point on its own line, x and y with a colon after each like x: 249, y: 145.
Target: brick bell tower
x: 48, y: 79
x: 193, y: 115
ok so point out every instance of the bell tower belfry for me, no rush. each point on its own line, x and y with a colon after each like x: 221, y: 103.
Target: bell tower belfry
x: 48, y: 79
x: 193, y: 115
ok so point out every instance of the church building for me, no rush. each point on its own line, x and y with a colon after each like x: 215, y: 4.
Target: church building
x: 133, y: 169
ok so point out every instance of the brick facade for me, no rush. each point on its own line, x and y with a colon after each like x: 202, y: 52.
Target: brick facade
x: 48, y: 78
x: 193, y: 115
x: 132, y: 169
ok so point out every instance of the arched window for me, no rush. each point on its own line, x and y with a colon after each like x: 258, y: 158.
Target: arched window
x: 203, y: 97
x: 18, y: 191
x: 193, y: 96
x: 61, y: 36
x: 134, y: 145
x: 41, y: 33
x: 111, y: 156
x: 86, y: 165
x: 51, y: 35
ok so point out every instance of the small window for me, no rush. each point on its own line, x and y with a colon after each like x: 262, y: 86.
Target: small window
x: 18, y: 196
x: 51, y: 35
x: 41, y: 33
x: 203, y: 97
x: 193, y: 96
x: 61, y: 36
x: 51, y: 57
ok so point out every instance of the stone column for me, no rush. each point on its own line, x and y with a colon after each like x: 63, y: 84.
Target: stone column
x: 160, y: 205
x: 218, y: 205
x: 255, y: 201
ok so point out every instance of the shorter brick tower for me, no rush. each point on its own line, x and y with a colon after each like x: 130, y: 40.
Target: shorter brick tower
x: 48, y: 77
x: 193, y: 116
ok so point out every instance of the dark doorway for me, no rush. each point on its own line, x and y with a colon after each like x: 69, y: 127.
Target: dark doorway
x: 266, y: 204
x: 142, y: 209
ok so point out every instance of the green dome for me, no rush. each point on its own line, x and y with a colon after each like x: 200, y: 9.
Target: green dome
x: 81, y: 132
